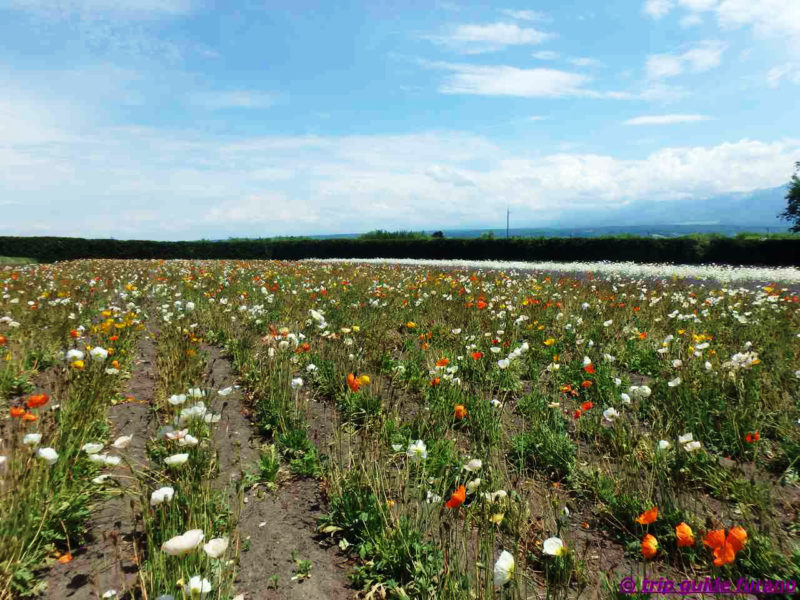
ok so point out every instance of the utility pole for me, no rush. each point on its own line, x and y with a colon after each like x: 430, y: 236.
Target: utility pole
x: 508, y: 213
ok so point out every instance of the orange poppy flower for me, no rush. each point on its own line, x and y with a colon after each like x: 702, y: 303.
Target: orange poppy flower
x: 588, y: 405
x: 65, y: 558
x: 425, y: 345
x: 37, y: 400
x: 481, y: 305
x: 16, y: 412
x: 115, y: 364
x: 649, y: 546
x: 442, y: 362
x: 458, y: 497
x: 74, y: 334
x: 3, y: 340
x: 684, y: 534
x: 586, y: 384
x: 477, y: 355
x: 352, y: 382
x: 577, y: 414
x: 737, y: 537
x: 643, y: 335
x: 590, y: 369
x: 725, y: 548
x: 460, y: 411
x: 436, y: 381
x: 648, y: 516
x: 752, y: 438
x: 29, y: 417
x: 113, y: 338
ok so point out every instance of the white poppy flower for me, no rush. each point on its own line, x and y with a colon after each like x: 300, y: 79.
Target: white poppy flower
x: 675, y: 382
x: 474, y: 465
x: 663, y: 445
x: 296, y: 383
x: 503, y: 569
x: 98, y: 354
x: 176, y: 460
x: 225, y: 391
x: 216, y: 547
x: 177, y: 399
x: 503, y: 363
x: 48, y: 454
x: 32, y: 439
x: 183, y: 544
x: 161, y: 495
x: 610, y: 414
x: 685, y: 438
x: 417, y: 451
x: 553, y: 546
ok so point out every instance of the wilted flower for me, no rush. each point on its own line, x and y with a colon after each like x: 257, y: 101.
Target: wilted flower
x: 122, y: 442
x: 473, y: 465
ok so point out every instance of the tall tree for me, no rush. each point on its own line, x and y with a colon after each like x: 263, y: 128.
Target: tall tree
x: 792, y: 212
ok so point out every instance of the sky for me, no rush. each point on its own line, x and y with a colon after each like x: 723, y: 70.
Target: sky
x: 190, y: 119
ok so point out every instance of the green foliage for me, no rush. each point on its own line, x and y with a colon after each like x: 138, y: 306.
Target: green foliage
x: 764, y: 250
x: 792, y: 212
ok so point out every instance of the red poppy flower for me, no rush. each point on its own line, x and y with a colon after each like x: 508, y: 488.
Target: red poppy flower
x: 458, y: 497
x: 37, y: 400
x: 16, y: 412
x: 481, y: 305
x: 353, y: 383
x: 586, y: 384
x: 477, y: 355
x: 589, y: 368
x: 460, y: 411
x: 442, y: 362
x: 435, y: 381
x: 577, y: 414
x: 752, y: 438
x: 588, y: 405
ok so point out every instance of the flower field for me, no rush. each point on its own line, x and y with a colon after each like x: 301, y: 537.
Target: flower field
x: 222, y: 429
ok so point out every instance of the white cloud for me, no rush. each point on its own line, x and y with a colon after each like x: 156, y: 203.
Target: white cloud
x: 179, y: 185
x: 476, y: 39
x: 704, y: 56
x: 545, y: 55
x: 789, y: 72
x: 89, y: 8
x: 691, y: 21
x: 665, y: 119
x: 657, y: 8
x: 537, y: 118
x: 583, y: 61
x: 232, y: 99
x: 766, y: 18
x: 525, y: 15
x: 502, y: 80
x: 663, y: 65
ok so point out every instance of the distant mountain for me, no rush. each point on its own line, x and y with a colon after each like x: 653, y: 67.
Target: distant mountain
x: 726, y: 214
x: 759, y: 208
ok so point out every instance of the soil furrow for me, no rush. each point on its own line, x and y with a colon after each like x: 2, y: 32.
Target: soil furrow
x: 108, y: 560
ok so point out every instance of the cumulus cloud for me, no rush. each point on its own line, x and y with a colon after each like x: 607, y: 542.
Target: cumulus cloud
x: 148, y: 183
x: 657, y: 8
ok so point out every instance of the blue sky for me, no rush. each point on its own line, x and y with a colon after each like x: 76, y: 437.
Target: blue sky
x: 182, y: 119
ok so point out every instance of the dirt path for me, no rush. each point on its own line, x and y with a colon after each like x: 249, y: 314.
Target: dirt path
x: 274, y: 526
x: 278, y: 526
x: 107, y: 561
x: 236, y: 438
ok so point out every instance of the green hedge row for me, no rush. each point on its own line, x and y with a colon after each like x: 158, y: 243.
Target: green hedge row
x: 690, y: 250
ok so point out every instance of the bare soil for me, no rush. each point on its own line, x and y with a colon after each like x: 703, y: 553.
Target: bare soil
x: 278, y: 525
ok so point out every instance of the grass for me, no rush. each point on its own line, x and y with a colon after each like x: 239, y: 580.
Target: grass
x: 453, y: 417
x: 16, y: 260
